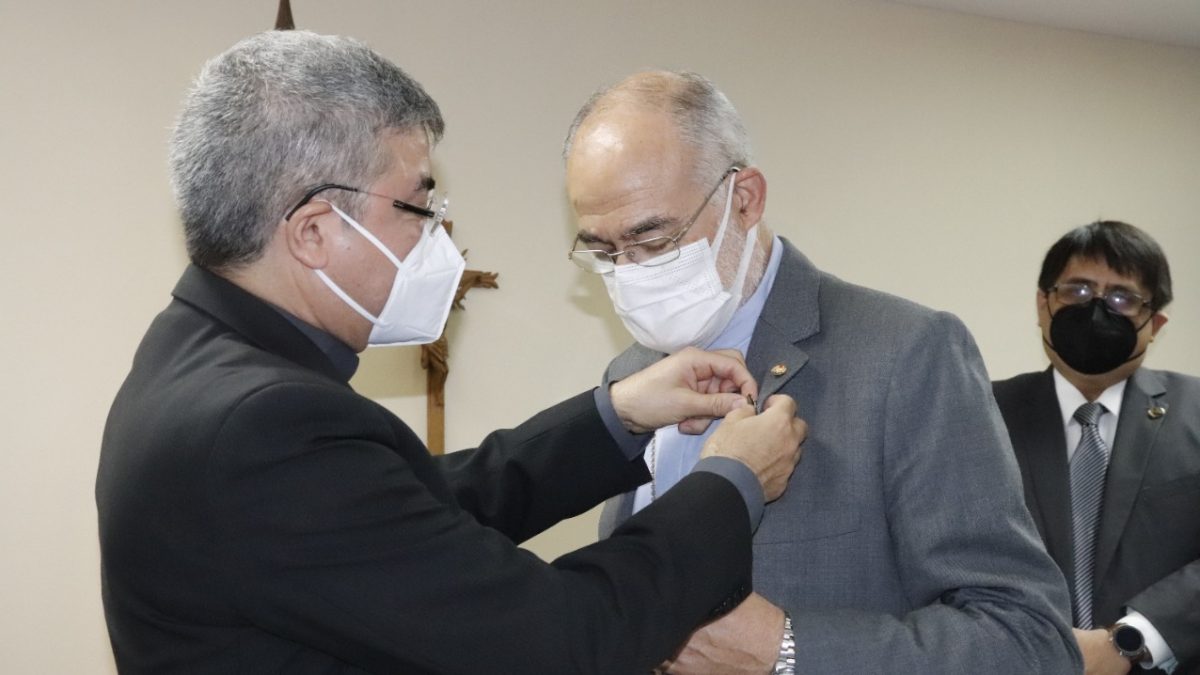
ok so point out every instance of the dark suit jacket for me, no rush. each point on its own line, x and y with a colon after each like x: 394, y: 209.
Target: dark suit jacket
x: 1148, y: 548
x: 902, y: 544
x: 258, y: 516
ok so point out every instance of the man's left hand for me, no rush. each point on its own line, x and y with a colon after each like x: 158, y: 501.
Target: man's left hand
x: 689, y: 388
x: 743, y: 642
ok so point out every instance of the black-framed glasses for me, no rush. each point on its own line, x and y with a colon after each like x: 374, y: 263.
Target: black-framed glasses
x: 425, y: 212
x: 647, y: 252
x: 1123, y: 302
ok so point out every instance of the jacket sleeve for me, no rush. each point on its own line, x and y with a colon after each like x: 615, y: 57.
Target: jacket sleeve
x: 1172, y: 605
x: 989, y: 598
x: 336, y: 536
x: 556, y: 465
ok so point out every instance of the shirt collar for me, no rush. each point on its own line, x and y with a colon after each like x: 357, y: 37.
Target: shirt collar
x: 1069, y: 398
x: 741, y: 326
x: 343, y: 358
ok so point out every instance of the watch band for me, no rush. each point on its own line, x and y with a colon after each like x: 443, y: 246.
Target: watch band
x: 786, y: 663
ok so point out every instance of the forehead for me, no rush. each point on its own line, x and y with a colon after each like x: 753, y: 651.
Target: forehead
x: 408, y: 161
x: 1098, y: 272
x: 628, y: 165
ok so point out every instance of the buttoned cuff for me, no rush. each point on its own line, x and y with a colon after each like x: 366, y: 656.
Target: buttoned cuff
x: 631, y: 445
x: 743, y: 479
x: 1161, y: 656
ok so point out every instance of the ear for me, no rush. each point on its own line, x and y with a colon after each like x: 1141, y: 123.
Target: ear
x: 309, y: 233
x: 1043, y: 302
x: 1159, y: 320
x: 750, y: 192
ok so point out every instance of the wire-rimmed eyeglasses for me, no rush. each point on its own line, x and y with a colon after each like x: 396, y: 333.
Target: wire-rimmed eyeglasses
x: 433, y: 218
x: 1123, y: 302
x: 647, y: 252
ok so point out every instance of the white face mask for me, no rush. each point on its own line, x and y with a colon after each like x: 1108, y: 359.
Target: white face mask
x: 681, y: 303
x: 422, y: 291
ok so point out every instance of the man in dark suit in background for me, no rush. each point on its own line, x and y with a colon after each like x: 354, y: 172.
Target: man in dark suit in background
x: 258, y: 516
x: 1110, y: 452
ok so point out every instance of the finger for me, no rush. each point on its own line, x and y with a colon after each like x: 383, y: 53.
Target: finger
x: 715, y: 385
x: 726, y: 364
x: 800, y: 428
x: 785, y: 404
x: 740, y: 410
x: 694, y: 426
x: 721, y: 405
x: 731, y: 353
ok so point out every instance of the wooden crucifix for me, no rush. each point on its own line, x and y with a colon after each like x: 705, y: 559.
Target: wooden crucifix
x: 435, y: 359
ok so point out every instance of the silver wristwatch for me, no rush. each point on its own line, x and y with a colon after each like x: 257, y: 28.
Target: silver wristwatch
x: 786, y: 663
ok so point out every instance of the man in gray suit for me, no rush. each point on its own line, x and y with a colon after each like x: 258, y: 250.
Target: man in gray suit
x: 1131, y: 551
x: 903, y: 545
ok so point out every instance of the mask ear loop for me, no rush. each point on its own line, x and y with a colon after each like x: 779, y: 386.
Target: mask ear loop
x: 724, y: 217
x: 747, y: 249
x: 338, y: 289
x: 369, y: 237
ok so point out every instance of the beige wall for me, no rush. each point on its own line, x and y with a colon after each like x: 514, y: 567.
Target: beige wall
x: 930, y: 154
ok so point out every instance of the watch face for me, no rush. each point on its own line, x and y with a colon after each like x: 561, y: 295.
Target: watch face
x: 1128, y: 639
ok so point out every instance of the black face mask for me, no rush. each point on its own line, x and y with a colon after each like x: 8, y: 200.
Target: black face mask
x: 1092, y: 339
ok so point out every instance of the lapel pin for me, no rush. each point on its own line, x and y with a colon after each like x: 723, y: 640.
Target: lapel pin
x: 778, y: 370
x: 1156, y: 412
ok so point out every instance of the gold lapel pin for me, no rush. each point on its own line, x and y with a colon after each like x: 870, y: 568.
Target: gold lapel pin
x: 1156, y: 412
x: 778, y: 370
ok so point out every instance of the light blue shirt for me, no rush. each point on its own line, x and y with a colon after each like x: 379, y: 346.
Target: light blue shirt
x: 672, y: 455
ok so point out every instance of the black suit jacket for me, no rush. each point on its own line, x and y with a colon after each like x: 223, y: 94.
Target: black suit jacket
x: 257, y: 516
x: 1148, y: 547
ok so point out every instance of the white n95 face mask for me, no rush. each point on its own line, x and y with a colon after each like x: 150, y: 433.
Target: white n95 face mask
x: 683, y: 302
x: 422, y: 291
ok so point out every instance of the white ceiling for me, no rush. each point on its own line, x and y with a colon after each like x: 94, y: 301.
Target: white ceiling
x: 1172, y: 22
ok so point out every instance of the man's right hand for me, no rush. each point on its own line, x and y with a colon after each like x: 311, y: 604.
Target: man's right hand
x: 768, y: 443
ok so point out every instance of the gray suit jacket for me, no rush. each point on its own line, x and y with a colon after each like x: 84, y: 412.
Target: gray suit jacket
x: 902, y: 544
x: 1148, y: 549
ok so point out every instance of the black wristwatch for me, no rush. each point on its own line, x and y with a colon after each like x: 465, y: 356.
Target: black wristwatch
x: 1129, y: 642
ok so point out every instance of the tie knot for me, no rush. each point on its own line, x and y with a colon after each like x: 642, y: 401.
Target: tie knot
x: 1089, y: 413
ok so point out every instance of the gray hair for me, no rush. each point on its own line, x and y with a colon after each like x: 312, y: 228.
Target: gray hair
x: 275, y: 115
x: 705, y: 119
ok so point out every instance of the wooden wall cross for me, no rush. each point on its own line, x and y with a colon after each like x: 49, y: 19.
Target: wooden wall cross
x: 435, y: 359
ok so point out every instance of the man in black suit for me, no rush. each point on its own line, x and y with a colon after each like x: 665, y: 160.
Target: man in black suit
x: 1125, y: 525
x: 257, y: 515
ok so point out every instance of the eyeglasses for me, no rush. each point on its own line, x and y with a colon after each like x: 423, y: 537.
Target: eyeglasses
x: 1125, y: 303
x: 647, y: 252
x: 435, y: 218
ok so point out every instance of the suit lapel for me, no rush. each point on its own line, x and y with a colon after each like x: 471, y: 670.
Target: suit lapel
x: 791, y: 314
x: 1132, y: 447
x: 1040, y: 443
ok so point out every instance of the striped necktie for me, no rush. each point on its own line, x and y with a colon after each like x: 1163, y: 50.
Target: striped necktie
x: 1089, y: 464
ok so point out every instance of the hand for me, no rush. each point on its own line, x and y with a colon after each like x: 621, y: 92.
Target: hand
x: 768, y: 443
x: 1100, y: 657
x: 689, y: 388
x: 744, y: 641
